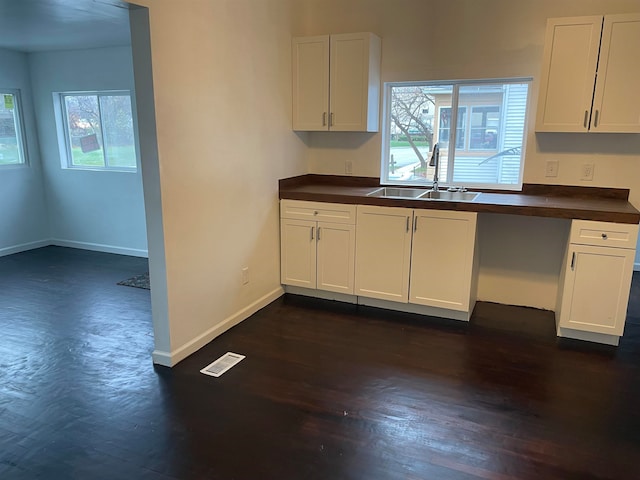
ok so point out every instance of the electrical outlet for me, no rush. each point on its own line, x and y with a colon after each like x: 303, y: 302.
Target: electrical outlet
x: 587, y: 172
x: 551, y: 169
x: 348, y: 167
x: 245, y: 275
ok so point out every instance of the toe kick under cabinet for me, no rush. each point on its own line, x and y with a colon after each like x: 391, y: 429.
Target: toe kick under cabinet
x: 595, y: 281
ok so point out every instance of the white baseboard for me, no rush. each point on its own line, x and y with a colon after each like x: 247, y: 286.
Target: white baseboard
x: 312, y: 292
x: 419, y: 309
x: 169, y: 359
x: 589, y: 336
x: 23, y: 247
x: 98, y: 247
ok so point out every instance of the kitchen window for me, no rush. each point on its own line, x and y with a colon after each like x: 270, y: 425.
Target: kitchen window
x: 12, y: 142
x: 489, y: 118
x: 97, y: 128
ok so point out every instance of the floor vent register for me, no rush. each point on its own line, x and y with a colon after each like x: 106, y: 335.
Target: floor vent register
x: 221, y: 365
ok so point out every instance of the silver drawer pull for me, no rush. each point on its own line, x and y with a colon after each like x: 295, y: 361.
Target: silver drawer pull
x: 573, y: 260
x: 604, y: 236
x: 312, y: 232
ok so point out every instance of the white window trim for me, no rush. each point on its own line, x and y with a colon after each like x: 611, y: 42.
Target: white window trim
x: 448, y: 182
x: 64, y: 142
x: 20, y: 133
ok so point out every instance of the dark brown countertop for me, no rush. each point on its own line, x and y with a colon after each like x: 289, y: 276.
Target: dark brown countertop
x: 584, y: 203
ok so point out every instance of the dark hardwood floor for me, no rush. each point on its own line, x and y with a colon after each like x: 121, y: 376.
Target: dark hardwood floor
x: 327, y: 391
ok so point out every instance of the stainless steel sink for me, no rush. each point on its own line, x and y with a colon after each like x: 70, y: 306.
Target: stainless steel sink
x: 449, y: 196
x: 392, y: 192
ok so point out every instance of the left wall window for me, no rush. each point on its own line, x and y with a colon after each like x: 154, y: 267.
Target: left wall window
x: 12, y: 145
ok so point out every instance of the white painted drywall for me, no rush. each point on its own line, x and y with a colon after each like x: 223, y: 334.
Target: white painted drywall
x: 453, y: 39
x: 87, y: 209
x: 222, y: 94
x: 145, y: 106
x: 23, y: 216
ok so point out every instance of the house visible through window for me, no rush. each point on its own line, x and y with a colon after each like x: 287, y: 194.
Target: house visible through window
x: 489, y: 119
x: 98, y: 130
x: 12, y: 148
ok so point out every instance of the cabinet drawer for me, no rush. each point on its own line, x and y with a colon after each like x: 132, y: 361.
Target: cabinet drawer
x: 325, y: 212
x: 621, y: 235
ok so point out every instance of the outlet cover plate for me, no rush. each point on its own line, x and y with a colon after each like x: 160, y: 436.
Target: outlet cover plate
x: 586, y: 173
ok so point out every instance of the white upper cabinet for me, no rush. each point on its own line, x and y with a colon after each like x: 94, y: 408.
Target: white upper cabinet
x: 311, y: 83
x: 616, y: 102
x: 336, y: 82
x: 589, y: 75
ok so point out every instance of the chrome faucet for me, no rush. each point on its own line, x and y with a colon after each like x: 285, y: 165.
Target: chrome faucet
x: 435, y: 162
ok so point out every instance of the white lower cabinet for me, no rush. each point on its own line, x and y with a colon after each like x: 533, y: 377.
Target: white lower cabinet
x: 383, y: 252
x: 314, y: 253
x: 596, y: 278
x: 423, y: 257
x: 443, y: 260
x: 298, y: 253
x: 335, y: 261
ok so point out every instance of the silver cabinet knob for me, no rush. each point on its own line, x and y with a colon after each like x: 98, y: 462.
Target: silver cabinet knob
x: 604, y: 236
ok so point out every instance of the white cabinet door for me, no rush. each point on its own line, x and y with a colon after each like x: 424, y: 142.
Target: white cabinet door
x: 383, y: 252
x: 336, y: 246
x: 298, y: 252
x: 616, y: 104
x: 336, y: 82
x: 442, y: 259
x: 568, y: 74
x: 596, y: 289
x: 310, y: 83
x: 355, y: 82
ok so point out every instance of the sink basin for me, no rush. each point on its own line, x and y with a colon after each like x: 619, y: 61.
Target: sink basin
x: 392, y: 192
x: 450, y: 196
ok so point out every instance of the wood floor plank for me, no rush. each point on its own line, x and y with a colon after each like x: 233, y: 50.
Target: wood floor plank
x: 327, y: 390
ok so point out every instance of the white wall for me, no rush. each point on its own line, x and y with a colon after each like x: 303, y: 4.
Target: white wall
x: 454, y: 39
x: 87, y: 209
x: 222, y: 88
x: 23, y: 216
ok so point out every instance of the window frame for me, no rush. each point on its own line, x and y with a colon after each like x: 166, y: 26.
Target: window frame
x: 454, y: 106
x: 21, y: 138
x: 65, y: 135
x: 463, y: 127
x: 469, y: 148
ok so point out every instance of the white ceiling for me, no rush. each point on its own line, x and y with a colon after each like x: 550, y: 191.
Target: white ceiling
x: 41, y: 25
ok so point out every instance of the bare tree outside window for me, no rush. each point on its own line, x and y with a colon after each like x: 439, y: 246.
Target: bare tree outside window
x: 478, y: 125
x: 99, y: 130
